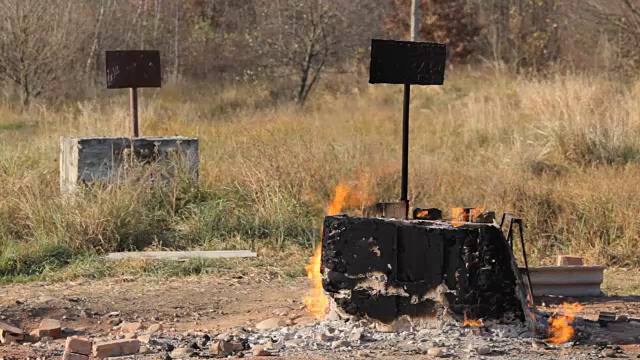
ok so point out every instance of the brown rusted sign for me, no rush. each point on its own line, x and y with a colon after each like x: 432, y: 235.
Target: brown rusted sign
x: 133, y: 69
x: 407, y: 62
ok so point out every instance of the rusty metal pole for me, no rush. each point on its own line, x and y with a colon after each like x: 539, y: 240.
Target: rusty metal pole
x: 415, y: 20
x: 404, y: 189
x: 134, y: 110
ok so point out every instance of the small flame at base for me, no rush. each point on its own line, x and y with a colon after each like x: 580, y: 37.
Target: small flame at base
x: 471, y: 322
x: 561, y: 330
x: 316, y: 300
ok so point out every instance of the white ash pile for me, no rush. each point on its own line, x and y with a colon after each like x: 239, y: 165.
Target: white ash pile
x: 375, y: 339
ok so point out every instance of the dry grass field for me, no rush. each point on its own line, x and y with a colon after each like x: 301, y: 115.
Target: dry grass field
x: 561, y: 151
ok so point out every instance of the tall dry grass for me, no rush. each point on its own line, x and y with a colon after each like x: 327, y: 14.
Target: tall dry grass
x: 563, y: 152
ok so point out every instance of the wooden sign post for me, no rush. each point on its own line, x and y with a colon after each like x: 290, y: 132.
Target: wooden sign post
x: 408, y: 63
x: 133, y: 69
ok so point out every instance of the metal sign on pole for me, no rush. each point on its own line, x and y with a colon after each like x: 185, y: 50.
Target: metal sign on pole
x: 408, y: 63
x: 133, y: 69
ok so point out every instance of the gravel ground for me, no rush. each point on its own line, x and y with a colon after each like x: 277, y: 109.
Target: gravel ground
x: 244, y: 315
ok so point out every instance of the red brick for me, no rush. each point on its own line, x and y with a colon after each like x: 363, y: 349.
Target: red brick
x: 72, y: 356
x: 564, y: 260
x: 50, y: 328
x: 116, y: 348
x: 78, y: 346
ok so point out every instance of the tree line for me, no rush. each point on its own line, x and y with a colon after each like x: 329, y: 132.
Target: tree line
x: 54, y: 49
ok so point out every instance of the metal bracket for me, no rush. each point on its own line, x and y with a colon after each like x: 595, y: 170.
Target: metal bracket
x: 513, y: 220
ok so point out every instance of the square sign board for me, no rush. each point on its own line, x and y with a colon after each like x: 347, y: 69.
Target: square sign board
x: 407, y: 62
x: 133, y: 69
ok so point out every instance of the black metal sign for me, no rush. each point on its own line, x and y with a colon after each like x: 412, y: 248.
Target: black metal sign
x: 133, y: 69
x: 407, y: 62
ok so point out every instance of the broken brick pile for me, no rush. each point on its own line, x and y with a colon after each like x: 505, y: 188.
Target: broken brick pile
x: 76, y: 348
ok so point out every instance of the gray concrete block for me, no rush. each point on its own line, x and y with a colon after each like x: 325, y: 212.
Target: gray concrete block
x: 84, y: 160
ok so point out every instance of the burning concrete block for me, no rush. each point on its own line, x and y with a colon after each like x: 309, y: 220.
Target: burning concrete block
x: 385, y: 269
x: 84, y: 160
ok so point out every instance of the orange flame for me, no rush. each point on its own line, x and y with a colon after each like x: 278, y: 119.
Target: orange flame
x: 339, y: 199
x: 316, y: 300
x: 471, y: 322
x: 458, y: 216
x: 560, y: 330
x: 475, y: 212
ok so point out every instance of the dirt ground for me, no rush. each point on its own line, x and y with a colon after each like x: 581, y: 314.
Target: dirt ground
x: 213, y: 304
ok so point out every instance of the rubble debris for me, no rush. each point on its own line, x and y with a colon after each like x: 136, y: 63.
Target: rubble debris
x: 271, y: 323
x: 340, y: 344
x: 72, y: 356
x: 605, y: 317
x: 131, y: 327
x: 610, y: 353
x: 7, y: 338
x: 435, y: 352
x: 622, y: 318
x: 154, y: 328
x: 259, y: 350
x: 10, y: 333
x: 221, y: 347
x: 483, y: 350
x: 10, y: 329
x: 181, y: 353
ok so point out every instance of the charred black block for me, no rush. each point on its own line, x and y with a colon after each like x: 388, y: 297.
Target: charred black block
x: 382, y: 268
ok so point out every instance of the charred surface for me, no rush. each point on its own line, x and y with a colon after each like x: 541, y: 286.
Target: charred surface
x: 383, y: 269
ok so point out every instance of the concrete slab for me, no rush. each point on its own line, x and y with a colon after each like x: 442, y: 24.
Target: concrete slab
x: 566, y: 280
x: 181, y: 255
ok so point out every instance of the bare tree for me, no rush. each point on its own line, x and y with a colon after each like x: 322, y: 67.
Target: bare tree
x: 521, y: 33
x: 308, y: 36
x: 619, y: 22
x: 39, y: 40
x: 104, y: 5
x: 176, y: 42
